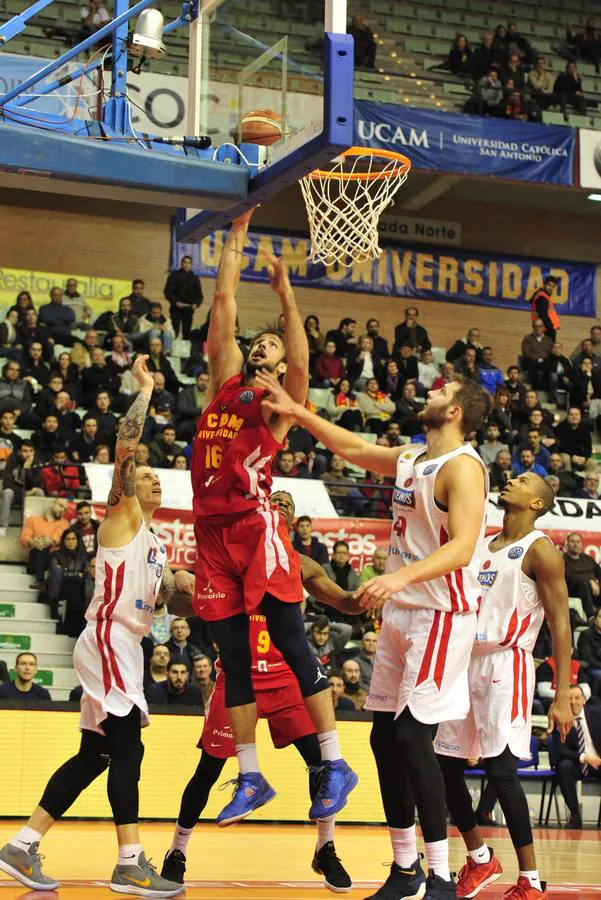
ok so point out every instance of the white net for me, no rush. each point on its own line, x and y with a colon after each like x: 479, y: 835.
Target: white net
x: 344, y: 204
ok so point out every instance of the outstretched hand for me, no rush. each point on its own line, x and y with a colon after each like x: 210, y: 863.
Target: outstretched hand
x: 140, y: 372
x: 279, y: 401
x: 373, y: 594
x: 242, y: 221
x: 278, y: 274
x: 560, y: 716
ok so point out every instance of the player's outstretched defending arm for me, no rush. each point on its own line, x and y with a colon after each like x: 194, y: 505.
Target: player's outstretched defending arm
x: 546, y: 566
x: 463, y: 488
x: 345, y: 443
x: 225, y: 357
x: 123, y: 514
x: 296, y: 379
x: 316, y: 582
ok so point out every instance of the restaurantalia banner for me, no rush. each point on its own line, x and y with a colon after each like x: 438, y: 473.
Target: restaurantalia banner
x: 474, y: 145
x: 481, y: 279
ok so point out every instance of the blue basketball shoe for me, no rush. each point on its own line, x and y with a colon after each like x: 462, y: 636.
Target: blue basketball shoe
x: 336, y: 781
x: 251, y: 792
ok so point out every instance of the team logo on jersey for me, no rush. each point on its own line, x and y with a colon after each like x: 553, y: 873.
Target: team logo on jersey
x: 403, y: 495
x: 515, y: 552
x: 209, y: 593
x: 152, y: 560
x: 247, y: 397
x: 486, y: 577
x: 145, y: 607
x: 223, y: 407
x: 429, y: 470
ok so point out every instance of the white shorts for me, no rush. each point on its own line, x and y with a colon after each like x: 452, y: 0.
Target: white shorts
x: 110, y: 666
x: 422, y: 660
x: 501, y: 693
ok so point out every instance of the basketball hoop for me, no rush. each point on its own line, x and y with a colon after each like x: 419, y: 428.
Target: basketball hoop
x: 345, y: 202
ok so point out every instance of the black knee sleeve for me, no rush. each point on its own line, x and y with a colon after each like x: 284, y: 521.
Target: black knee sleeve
x: 196, y: 792
x: 287, y: 630
x: 459, y: 801
x: 233, y: 639
x: 502, y: 771
x: 126, y: 750
x: 75, y: 775
x: 396, y: 789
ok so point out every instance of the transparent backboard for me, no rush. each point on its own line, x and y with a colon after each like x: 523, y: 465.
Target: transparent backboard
x: 261, y: 54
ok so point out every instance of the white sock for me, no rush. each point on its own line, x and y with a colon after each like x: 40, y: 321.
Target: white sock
x: 329, y: 746
x: 404, y: 846
x: 481, y: 855
x: 181, y: 838
x: 129, y: 854
x: 247, y: 758
x: 24, y: 838
x: 325, y: 831
x: 437, y: 854
x: 533, y: 879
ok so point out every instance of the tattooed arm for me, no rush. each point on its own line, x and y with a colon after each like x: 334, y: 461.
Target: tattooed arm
x: 123, y: 513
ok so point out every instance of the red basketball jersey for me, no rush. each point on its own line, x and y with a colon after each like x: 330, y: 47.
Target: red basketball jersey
x: 232, y: 454
x: 269, y: 669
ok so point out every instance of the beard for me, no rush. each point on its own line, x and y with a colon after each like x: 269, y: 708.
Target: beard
x: 251, y: 369
x: 433, y: 417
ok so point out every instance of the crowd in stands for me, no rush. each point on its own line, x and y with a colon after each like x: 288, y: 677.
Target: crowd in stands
x: 66, y: 382
x: 511, y: 80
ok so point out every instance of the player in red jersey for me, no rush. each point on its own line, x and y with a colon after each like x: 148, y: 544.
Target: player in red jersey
x: 244, y: 555
x: 279, y: 701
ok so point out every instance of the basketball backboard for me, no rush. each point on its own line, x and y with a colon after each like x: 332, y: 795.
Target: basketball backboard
x: 243, y: 54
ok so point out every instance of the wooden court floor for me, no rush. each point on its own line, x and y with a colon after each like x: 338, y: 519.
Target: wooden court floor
x: 272, y: 862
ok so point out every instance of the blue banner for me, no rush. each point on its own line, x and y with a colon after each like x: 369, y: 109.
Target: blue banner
x: 481, y: 279
x: 15, y: 69
x: 474, y: 145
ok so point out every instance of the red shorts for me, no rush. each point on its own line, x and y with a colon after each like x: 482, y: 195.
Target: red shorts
x: 283, y: 707
x: 239, y: 562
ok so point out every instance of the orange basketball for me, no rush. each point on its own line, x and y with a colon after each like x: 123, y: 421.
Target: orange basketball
x: 261, y: 126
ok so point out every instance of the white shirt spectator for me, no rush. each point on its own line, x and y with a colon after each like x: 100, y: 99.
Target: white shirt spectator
x: 99, y: 18
x: 427, y: 373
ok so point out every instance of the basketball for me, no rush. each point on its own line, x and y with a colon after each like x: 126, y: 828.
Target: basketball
x: 261, y: 126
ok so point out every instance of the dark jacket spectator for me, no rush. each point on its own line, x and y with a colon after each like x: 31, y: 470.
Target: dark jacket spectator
x: 191, y: 401
x: 58, y: 318
x: 158, y: 362
x: 343, y: 336
x: 568, y: 89
x: 365, y: 44
x: 68, y: 568
x: 483, y: 57
x: 459, y: 59
x: 409, y: 332
x: 362, y: 355
x: 183, y: 290
x: 15, y: 394
x: 512, y: 71
x: 308, y: 544
x: 589, y: 644
x: 102, y: 375
x: 163, y: 693
x: 35, y: 694
x: 517, y: 43
x: 574, y: 438
x: 586, y: 43
x: 328, y: 639
x: 567, y: 757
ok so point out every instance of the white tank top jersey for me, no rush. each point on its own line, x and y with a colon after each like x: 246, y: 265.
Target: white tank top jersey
x: 127, y: 582
x: 511, y: 612
x: 420, y: 527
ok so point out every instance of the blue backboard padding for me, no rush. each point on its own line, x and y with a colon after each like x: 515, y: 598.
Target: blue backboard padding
x: 66, y: 157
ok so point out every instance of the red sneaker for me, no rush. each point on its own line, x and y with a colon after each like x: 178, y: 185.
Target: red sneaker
x: 476, y: 876
x: 523, y: 890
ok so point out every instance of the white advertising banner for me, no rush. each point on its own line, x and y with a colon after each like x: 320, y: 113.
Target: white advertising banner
x: 590, y: 158
x: 310, y: 497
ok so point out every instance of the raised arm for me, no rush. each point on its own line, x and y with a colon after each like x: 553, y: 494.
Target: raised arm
x: 296, y: 380
x: 547, y: 568
x: 317, y: 583
x: 123, y: 513
x: 462, y: 491
x: 345, y: 443
x: 225, y: 358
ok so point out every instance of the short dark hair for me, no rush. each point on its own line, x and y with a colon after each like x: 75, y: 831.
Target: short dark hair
x: 27, y: 443
x: 475, y: 403
x: 304, y: 519
x: 269, y: 328
x: 488, y: 347
x: 513, y: 368
x: 137, y: 281
x: 178, y: 661
x: 337, y: 673
x: 347, y: 321
x: 84, y: 504
x: 26, y: 653
x: 59, y: 448
x: 339, y: 544
x: 88, y: 417
x: 407, y: 308
x: 286, y: 452
x: 319, y: 623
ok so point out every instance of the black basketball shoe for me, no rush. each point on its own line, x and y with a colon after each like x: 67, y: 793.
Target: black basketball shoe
x: 327, y: 863
x: 402, y: 884
x: 174, y: 866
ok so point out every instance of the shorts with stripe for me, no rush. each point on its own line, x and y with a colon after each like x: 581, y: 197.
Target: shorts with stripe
x: 501, y: 693
x: 237, y: 563
x: 422, y: 661
x: 109, y: 664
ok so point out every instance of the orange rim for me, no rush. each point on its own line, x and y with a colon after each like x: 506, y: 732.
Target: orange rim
x: 404, y: 165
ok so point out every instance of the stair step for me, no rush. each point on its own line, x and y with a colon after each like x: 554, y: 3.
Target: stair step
x: 12, y: 569
x: 25, y: 612
x: 19, y: 595
x: 46, y: 660
x: 28, y: 626
x: 37, y: 642
x: 11, y: 581
x: 11, y: 550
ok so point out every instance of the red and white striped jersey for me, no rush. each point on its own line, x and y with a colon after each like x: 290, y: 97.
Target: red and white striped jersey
x: 420, y: 527
x: 127, y: 583
x: 511, y: 612
x: 232, y: 454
